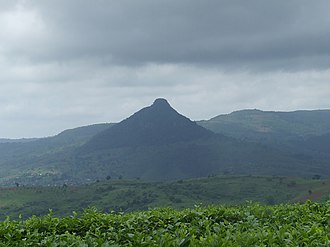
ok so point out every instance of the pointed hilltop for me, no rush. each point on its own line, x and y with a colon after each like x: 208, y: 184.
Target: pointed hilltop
x: 158, y: 124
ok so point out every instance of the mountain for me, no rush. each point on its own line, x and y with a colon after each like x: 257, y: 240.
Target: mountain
x: 6, y: 140
x: 305, y: 134
x: 158, y: 124
x: 80, y: 134
x: 28, y: 161
x: 28, y: 147
x: 155, y: 143
x: 158, y: 143
x: 319, y: 146
x: 270, y: 125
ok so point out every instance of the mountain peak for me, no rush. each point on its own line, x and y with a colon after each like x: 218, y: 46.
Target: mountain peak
x: 161, y: 104
x: 157, y: 124
x: 161, y: 101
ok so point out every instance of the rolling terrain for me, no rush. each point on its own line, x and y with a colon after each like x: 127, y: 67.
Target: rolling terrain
x: 159, y: 144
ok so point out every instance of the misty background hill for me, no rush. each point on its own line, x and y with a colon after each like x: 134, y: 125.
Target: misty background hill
x: 270, y: 125
x: 157, y: 143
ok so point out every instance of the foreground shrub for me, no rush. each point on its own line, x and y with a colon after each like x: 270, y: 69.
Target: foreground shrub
x: 248, y: 225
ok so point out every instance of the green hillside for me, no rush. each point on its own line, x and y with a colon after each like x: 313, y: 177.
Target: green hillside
x: 131, y: 195
x: 270, y: 125
x: 44, y: 158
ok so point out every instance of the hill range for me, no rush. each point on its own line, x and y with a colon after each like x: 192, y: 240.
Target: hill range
x: 157, y: 144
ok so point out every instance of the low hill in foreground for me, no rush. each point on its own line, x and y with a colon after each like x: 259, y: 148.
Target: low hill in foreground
x: 131, y: 195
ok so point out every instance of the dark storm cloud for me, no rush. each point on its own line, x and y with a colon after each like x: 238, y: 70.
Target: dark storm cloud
x: 68, y: 63
x: 231, y: 34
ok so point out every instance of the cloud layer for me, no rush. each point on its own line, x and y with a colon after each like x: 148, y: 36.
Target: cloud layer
x: 69, y: 63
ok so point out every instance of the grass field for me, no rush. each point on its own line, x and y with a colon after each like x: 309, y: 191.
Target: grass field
x: 132, y: 195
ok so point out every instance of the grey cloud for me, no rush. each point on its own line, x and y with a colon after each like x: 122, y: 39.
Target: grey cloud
x: 41, y: 109
x: 229, y: 34
x: 67, y: 63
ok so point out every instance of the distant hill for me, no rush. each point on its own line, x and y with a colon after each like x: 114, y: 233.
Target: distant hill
x: 158, y: 124
x: 72, y: 137
x: 21, y: 140
x: 270, y: 125
x: 157, y: 143
x: 81, y: 134
x: 30, y: 160
x: 318, y: 145
x: 303, y: 133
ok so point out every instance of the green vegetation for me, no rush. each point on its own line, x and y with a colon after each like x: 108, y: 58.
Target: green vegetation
x: 132, y: 195
x: 270, y: 125
x: 248, y: 225
x: 305, y: 134
x: 44, y: 160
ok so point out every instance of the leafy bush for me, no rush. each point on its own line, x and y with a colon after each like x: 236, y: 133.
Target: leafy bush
x: 247, y: 225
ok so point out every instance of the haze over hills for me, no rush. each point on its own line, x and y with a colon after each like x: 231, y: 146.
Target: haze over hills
x: 158, y: 143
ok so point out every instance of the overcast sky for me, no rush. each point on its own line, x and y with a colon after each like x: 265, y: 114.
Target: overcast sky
x: 68, y: 63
